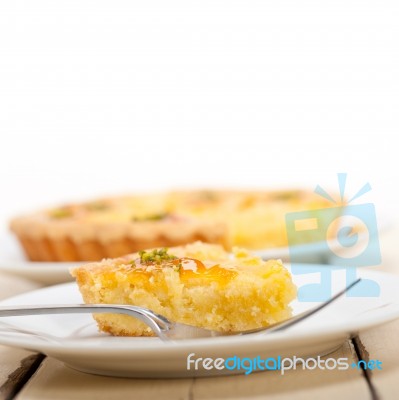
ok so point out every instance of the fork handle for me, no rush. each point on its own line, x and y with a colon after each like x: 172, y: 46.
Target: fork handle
x: 156, y: 322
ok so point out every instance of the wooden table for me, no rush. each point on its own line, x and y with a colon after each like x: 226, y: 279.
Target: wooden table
x: 28, y: 376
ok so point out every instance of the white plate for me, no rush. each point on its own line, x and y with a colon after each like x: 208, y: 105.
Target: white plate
x: 13, y: 262
x: 74, y: 339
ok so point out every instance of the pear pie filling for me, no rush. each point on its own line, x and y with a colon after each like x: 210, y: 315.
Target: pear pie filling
x: 198, y: 284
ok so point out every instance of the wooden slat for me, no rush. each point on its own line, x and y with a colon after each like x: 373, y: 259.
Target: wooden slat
x: 17, y: 368
x: 15, y: 364
x: 54, y: 380
x: 12, y: 286
x: 382, y: 343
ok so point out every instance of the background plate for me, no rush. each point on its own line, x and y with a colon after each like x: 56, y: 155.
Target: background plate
x: 13, y: 261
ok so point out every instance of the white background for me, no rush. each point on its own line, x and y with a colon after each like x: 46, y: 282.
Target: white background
x: 100, y: 97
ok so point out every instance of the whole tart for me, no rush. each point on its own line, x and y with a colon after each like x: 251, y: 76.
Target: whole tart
x: 198, y: 284
x: 112, y: 227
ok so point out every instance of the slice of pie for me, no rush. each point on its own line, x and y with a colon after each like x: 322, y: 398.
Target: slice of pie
x: 197, y: 284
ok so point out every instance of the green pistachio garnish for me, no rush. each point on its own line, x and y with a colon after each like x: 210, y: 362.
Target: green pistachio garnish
x: 286, y: 195
x: 97, y: 206
x: 60, y: 213
x: 151, y: 217
x: 156, y: 256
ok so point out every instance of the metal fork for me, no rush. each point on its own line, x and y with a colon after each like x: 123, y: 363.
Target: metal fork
x: 162, y: 327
